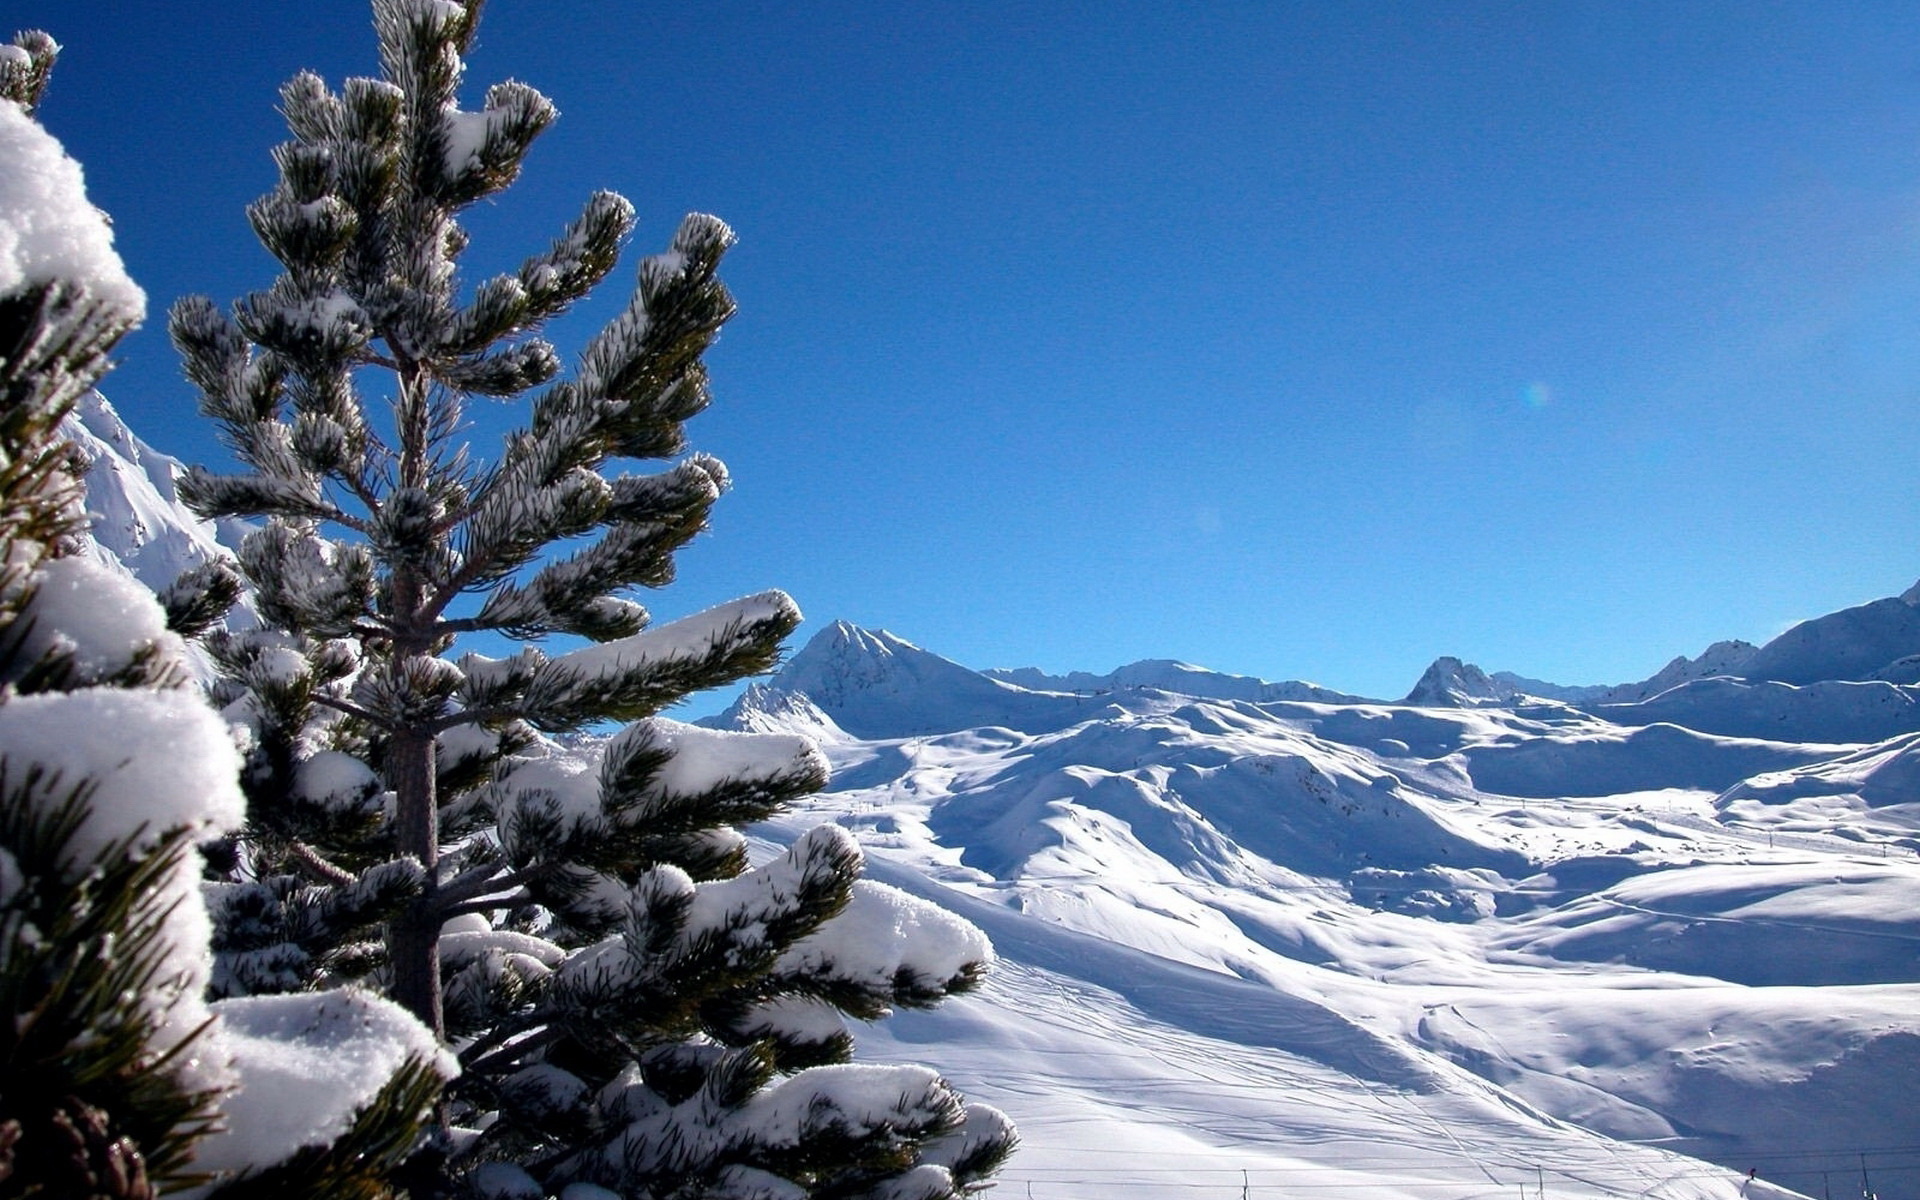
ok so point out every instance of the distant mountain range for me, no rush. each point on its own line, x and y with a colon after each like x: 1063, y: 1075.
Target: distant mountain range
x: 1679, y: 913
x: 1828, y: 679
x: 1267, y: 939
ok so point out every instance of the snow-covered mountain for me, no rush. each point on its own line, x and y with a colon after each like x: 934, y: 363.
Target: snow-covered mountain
x: 1867, y: 644
x: 874, y: 684
x: 1452, y: 946
x: 1853, y: 643
x: 1263, y: 939
x: 137, y: 519
x: 1721, y: 658
x: 1451, y: 683
x: 1170, y: 675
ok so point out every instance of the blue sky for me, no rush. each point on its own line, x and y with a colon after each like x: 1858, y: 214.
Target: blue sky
x: 1299, y: 340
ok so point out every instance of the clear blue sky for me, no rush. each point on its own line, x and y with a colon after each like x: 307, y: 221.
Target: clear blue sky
x: 1300, y: 340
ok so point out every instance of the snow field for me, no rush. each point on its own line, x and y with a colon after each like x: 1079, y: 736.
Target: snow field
x: 1308, y: 948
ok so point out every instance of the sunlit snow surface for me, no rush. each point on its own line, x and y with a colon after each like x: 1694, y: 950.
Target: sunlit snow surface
x: 1265, y: 940
x: 1296, y: 949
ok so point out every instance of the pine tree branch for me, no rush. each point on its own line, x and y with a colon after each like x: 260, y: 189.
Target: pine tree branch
x: 458, y: 625
x: 356, y: 483
x: 476, y: 716
x: 350, y: 709
x: 505, y: 1050
x: 477, y: 882
x: 486, y: 904
x: 310, y: 861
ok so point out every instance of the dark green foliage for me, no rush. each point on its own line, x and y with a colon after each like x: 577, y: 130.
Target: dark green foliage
x: 54, y: 344
x: 87, y: 1106
x: 77, y: 939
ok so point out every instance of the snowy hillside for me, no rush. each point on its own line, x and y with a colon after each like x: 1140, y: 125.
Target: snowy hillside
x: 1268, y: 946
x: 137, y: 519
x: 1266, y: 939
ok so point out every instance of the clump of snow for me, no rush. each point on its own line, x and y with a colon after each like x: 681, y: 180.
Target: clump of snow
x: 705, y: 758
x: 859, y: 1098
x: 504, y: 1181
x: 466, y: 741
x: 156, y: 761
x: 103, y: 618
x: 305, y: 1064
x: 564, y: 787
x: 884, y: 932
x: 437, y: 13
x: 689, y: 638
x: 277, y: 666
x: 48, y: 230
x: 749, y: 903
x: 529, y: 954
x: 801, y: 1018
x: 335, y: 780
x: 467, y: 134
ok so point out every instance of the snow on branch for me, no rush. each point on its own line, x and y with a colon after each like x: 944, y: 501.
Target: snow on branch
x: 306, y: 1064
x: 168, y: 764
x: 104, y: 623
x: 630, y: 677
x: 692, y: 639
x: 853, y: 1102
x: 49, y: 232
x: 695, y: 762
x: 165, y: 762
x: 887, y: 943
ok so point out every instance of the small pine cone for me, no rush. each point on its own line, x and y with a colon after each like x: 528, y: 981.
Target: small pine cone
x: 104, y: 1167
x: 9, y: 1134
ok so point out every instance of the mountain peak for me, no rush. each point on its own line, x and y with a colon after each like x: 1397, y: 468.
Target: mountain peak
x: 874, y: 684
x: 1451, y: 683
x: 136, y: 519
x: 761, y: 708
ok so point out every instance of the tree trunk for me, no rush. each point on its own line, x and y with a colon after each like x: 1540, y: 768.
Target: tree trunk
x: 414, y: 938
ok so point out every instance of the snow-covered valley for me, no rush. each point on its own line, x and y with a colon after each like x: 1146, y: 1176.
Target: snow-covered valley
x: 1268, y: 939
x: 1255, y: 945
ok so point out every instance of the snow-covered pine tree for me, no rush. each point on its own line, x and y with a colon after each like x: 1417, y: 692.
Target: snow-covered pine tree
x: 117, y: 1078
x: 93, y: 1099
x: 637, y: 1012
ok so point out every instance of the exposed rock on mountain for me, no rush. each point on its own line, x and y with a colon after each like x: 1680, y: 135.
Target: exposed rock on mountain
x: 1450, y: 683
